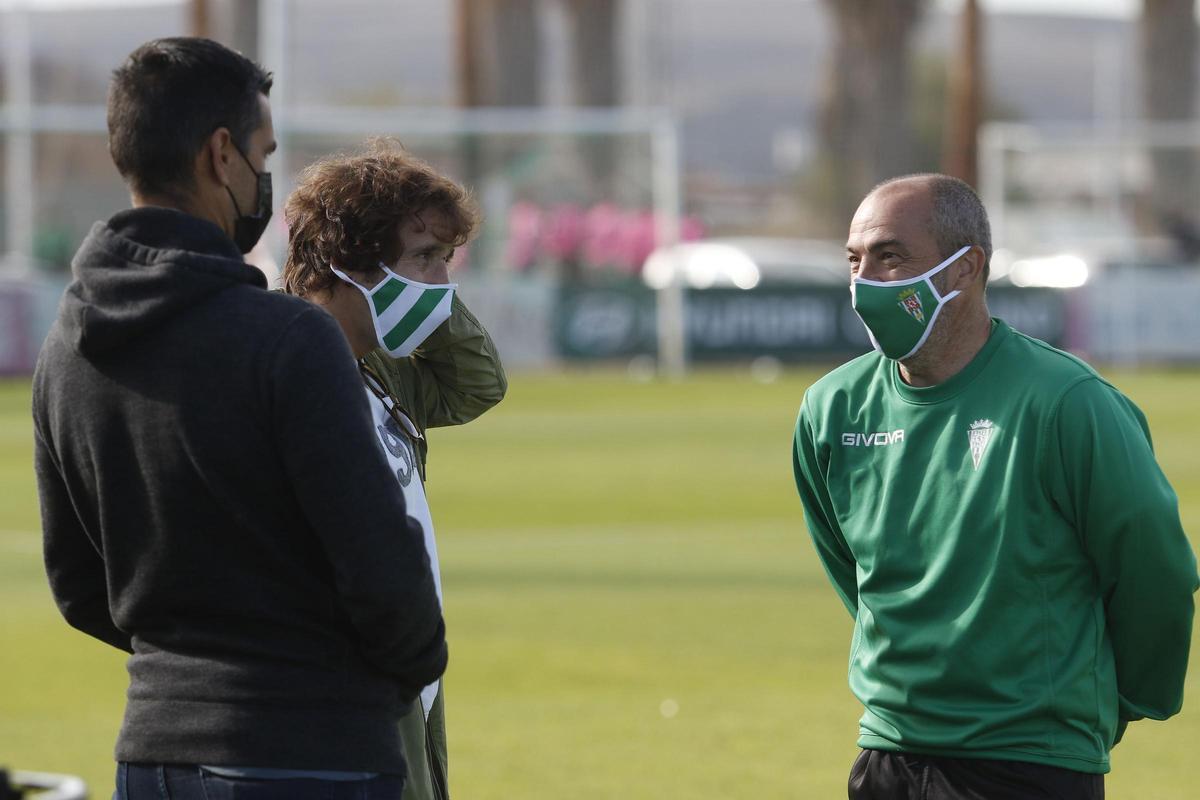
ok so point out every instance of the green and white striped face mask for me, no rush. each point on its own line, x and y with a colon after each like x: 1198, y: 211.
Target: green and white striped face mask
x: 404, y: 312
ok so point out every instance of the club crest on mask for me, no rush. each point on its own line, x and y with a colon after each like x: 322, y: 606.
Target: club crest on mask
x: 910, y: 300
x: 893, y: 332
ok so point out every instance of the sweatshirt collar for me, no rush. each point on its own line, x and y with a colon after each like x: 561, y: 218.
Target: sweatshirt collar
x: 956, y: 384
x: 163, y: 228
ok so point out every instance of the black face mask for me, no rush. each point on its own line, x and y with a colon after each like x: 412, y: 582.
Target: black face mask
x: 248, y: 228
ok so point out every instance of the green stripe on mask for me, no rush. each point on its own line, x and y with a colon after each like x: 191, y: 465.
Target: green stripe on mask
x: 413, y: 319
x: 386, y: 295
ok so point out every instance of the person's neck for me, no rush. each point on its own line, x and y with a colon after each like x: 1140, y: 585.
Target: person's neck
x: 360, y: 344
x: 185, y: 204
x: 950, y: 355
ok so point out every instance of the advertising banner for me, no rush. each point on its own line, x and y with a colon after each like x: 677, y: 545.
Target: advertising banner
x: 791, y: 323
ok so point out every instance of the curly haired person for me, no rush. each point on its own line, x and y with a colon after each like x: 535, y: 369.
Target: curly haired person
x: 371, y: 238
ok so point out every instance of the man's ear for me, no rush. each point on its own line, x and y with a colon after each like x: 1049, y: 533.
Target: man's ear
x: 970, y: 268
x: 213, y: 160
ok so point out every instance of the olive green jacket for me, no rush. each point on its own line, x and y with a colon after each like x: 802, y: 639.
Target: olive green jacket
x: 452, y: 378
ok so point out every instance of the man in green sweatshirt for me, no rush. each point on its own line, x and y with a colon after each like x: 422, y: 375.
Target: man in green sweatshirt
x: 991, y: 513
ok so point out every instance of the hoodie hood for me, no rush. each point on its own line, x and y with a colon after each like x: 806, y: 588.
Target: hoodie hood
x: 142, y: 268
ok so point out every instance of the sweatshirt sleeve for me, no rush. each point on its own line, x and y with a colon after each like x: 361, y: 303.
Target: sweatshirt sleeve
x: 351, y: 498
x: 819, y: 515
x: 454, y: 376
x: 74, y: 566
x: 1105, y: 480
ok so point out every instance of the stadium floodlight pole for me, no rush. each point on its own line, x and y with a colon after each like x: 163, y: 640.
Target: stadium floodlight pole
x: 19, y: 185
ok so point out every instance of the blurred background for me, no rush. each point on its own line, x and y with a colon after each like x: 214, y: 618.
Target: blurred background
x: 633, y: 606
x: 597, y: 132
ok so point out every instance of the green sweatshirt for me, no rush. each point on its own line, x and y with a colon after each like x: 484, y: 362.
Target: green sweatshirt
x: 1010, y: 550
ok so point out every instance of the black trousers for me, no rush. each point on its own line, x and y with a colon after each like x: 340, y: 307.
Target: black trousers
x: 881, y: 775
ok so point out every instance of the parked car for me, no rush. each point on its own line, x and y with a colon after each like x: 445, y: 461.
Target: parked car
x: 745, y: 262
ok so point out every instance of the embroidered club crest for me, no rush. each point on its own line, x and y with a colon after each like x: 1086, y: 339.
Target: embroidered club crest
x: 910, y: 300
x: 979, y: 434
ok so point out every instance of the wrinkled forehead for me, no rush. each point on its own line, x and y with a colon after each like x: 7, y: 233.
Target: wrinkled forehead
x: 895, y: 213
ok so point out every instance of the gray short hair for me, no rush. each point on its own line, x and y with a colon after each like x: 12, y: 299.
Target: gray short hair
x: 959, y: 217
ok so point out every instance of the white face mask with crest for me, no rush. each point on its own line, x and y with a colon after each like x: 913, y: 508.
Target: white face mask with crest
x: 404, y: 312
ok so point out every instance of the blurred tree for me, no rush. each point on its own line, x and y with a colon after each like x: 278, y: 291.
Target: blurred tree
x: 243, y: 34
x: 865, y: 127
x: 593, y: 25
x: 499, y: 53
x: 498, y: 58
x: 198, y: 18
x: 932, y: 74
x: 233, y: 23
x: 965, y: 109
x: 1168, y: 50
x: 595, y: 81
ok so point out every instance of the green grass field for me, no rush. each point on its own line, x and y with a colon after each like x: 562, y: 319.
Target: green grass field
x: 634, y: 608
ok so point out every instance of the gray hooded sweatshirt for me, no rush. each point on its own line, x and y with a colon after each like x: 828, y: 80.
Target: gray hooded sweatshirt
x: 214, y: 501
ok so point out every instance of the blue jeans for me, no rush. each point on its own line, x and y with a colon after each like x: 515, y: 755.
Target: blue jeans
x: 172, y: 782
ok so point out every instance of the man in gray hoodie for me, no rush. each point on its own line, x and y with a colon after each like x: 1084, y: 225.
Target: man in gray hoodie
x: 213, y: 498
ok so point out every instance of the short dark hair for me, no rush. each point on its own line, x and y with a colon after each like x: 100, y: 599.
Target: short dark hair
x: 959, y: 217
x: 346, y: 211
x: 167, y: 99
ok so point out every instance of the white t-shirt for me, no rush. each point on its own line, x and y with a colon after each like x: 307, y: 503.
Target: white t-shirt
x: 402, y: 457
